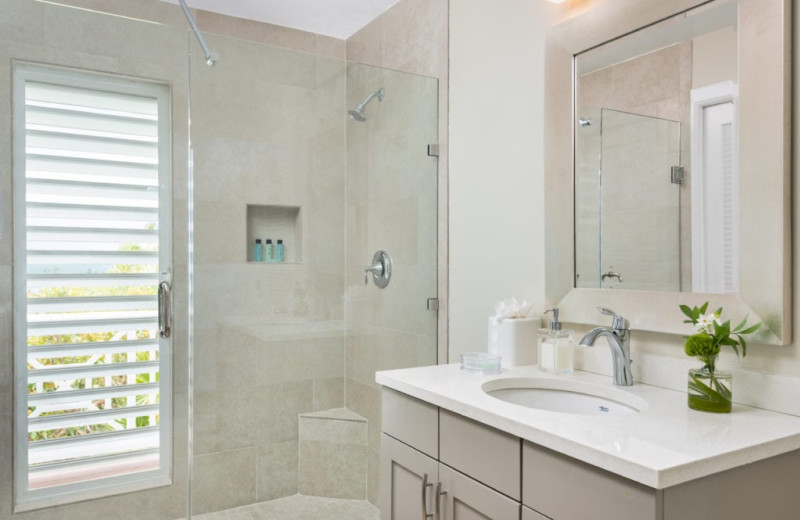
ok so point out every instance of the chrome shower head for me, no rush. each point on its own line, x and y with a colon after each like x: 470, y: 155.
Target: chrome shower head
x: 357, y: 114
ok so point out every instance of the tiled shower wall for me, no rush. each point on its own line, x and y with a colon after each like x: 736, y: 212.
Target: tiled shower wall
x: 267, y: 129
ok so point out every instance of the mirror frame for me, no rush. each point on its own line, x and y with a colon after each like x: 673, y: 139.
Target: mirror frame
x: 765, y: 89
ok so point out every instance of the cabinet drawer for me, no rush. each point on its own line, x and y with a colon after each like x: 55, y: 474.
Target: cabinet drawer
x: 412, y: 421
x: 561, y: 487
x: 484, y: 453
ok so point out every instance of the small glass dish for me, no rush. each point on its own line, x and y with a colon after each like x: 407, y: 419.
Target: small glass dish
x: 481, y: 362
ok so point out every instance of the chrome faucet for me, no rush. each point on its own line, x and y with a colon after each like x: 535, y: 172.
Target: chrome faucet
x: 619, y: 339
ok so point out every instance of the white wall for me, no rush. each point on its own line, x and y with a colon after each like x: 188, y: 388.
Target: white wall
x: 496, y: 168
x: 496, y: 177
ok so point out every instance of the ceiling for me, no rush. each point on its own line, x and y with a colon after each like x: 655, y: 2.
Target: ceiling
x: 336, y: 18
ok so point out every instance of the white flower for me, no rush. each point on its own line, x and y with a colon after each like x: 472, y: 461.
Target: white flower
x: 705, y: 323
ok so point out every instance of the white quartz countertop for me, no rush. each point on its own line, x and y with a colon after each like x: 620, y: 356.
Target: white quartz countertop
x: 662, y: 446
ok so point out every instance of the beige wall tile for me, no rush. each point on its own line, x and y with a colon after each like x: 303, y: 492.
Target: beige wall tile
x: 328, y: 393
x: 331, y: 47
x: 224, y: 480
x: 331, y: 470
x: 277, y: 470
x: 256, y: 31
x: 366, y: 402
x: 300, y: 360
x: 332, y: 430
x: 332, y: 460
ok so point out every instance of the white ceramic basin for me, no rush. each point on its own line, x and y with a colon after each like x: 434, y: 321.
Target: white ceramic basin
x: 565, y: 396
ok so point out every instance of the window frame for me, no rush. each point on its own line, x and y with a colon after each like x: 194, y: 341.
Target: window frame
x: 24, y: 498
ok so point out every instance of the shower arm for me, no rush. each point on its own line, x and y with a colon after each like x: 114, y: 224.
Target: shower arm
x: 369, y: 98
x: 211, y: 57
x: 380, y: 94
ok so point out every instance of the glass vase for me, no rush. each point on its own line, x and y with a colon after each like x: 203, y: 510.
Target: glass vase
x: 710, y: 389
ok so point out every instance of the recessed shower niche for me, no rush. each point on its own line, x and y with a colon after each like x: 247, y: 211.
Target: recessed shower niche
x: 274, y: 223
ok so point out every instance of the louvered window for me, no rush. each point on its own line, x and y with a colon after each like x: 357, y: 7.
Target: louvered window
x: 91, y: 246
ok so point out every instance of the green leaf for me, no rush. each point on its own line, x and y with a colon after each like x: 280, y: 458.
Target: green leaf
x: 751, y: 329
x: 703, y: 308
x: 744, y: 346
x: 690, y: 313
x: 742, y: 324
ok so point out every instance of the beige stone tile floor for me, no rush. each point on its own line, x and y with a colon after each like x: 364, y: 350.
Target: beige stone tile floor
x: 300, y: 507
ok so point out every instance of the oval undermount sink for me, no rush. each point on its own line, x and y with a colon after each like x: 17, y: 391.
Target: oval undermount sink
x: 564, y: 395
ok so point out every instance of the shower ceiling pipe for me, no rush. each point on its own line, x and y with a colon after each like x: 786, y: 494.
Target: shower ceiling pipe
x: 211, y: 57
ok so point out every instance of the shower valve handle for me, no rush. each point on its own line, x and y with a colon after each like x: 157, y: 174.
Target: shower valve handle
x: 377, y: 268
x: 381, y: 269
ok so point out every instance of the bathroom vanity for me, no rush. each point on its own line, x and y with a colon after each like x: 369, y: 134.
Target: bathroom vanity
x: 452, y: 451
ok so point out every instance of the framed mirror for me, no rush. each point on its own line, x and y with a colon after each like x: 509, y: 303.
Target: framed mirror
x: 668, y: 162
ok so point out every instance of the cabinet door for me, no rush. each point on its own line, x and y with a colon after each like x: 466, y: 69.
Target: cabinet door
x: 467, y: 499
x: 408, y: 481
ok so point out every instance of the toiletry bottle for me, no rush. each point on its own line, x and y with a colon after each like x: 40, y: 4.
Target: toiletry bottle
x: 268, y: 251
x: 258, y: 250
x: 556, y: 351
x: 279, y: 251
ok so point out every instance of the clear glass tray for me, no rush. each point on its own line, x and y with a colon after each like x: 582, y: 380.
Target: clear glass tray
x: 480, y: 362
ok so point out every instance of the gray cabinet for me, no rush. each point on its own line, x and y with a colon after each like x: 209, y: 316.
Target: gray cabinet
x: 413, y: 482
x: 418, y: 486
x: 408, y: 480
x: 485, y: 454
x: 563, y: 488
x: 470, y: 471
x: 411, y: 421
x: 466, y: 499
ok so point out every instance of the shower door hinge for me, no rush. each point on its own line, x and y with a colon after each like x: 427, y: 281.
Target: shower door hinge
x: 676, y: 175
x: 433, y: 150
x: 433, y: 304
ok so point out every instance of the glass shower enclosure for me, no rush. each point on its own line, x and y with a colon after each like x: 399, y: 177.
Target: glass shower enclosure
x: 285, y: 346
x: 264, y: 385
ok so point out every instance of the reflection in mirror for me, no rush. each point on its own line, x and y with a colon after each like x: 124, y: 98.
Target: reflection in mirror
x: 759, y: 146
x: 656, y: 189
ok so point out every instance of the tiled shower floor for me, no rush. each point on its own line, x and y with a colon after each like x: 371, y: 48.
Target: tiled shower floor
x: 299, y: 507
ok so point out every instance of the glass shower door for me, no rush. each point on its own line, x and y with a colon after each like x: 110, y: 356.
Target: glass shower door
x: 639, y: 203
x: 391, y: 200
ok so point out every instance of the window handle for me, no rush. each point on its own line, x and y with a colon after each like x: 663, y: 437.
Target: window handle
x: 164, y: 309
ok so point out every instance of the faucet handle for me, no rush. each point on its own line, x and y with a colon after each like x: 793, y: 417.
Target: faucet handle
x: 618, y: 322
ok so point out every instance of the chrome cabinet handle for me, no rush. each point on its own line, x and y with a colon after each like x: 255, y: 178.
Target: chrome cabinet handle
x: 164, y: 309
x: 425, y: 485
x: 439, y: 495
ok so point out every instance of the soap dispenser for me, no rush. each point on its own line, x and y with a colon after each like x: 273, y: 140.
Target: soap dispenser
x: 556, y: 351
